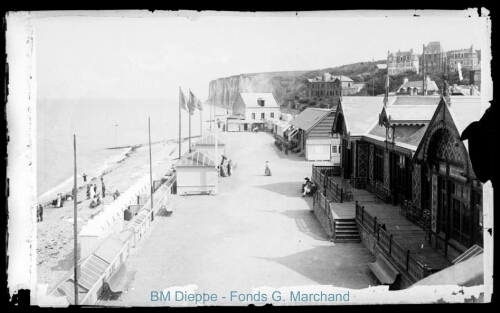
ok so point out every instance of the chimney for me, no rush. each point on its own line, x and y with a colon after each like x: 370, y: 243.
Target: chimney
x: 405, y: 80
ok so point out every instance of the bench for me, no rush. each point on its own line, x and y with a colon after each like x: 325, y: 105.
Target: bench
x: 385, y: 272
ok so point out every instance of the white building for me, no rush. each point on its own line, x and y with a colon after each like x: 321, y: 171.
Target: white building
x: 252, y: 110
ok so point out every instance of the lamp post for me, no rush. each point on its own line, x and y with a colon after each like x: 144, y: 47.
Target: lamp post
x: 116, y: 125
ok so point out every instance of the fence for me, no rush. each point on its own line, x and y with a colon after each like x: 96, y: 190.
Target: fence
x: 322, y: 177
x: 391, y: 247
x: 323, y: 203
x: 333, y: 191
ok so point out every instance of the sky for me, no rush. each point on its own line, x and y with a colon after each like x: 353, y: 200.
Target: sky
x: 139, y: 54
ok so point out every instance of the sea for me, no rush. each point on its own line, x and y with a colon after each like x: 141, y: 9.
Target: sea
x: 105, y: 130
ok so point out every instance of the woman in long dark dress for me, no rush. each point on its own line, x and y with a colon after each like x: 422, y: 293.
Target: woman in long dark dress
x: 268, y: 169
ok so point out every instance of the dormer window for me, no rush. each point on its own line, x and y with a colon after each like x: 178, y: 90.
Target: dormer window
x: 260, y: 102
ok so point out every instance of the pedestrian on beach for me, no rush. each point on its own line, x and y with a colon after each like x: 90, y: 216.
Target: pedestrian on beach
x: 39, y: 215
x: 229, y: 168
x: 116, y: 194
x: 103, y: 189
x: 92, y: 191
x: 268, y: 169
x: 84, y: 177
x: 59, y: 200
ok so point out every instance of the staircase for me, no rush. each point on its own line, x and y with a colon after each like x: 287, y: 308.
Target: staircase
x: 346, y: 230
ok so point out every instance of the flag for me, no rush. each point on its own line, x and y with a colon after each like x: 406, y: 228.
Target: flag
x: 182, y: 100
x: 386, y: 97
x: 191, y: 103
x: 459, y: 68
x: 196, y: 101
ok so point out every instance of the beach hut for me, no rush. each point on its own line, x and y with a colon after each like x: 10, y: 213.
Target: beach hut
x: 207, y: 143
x: 197, y: 173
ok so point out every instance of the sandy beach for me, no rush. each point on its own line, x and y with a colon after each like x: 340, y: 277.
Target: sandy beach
x: 55, y: 233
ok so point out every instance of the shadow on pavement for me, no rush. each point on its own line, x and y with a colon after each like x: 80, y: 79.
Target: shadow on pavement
x: 306, y: 222
x: 341, y: 265
x: 289, y: 189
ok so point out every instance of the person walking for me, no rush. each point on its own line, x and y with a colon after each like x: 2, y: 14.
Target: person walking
x: 229, y: 168
x: 39, y: 211
x: 268, y: 170
x: 59, y: 201
x: 84, y: 177
x: 103, y: 189
x: 92, y: 191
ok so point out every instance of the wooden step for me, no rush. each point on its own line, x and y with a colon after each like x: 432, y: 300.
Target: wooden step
x: 346, y: 231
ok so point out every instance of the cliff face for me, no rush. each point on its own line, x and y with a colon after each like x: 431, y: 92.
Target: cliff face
x: 224, y: 91
x: 284, y: 85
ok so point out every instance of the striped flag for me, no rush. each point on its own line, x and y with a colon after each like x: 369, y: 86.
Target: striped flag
x: 182, y: 100
x: 459, y: 68
x: 196, y: 101
x: 191, y: 104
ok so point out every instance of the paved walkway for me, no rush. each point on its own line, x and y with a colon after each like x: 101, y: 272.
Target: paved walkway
x: 258, y: 231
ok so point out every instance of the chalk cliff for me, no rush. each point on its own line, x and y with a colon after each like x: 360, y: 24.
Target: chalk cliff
x: 224, y: 91
x: 284, y: 85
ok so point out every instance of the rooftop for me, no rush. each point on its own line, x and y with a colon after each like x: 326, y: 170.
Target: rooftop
x: 310, y: 117
x: 251, y: 99
x: 198, y: 158
x: 361, y: 113
x: 434, y: 47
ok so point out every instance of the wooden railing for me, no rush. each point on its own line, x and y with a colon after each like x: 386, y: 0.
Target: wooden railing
x: 320, y: 200
x: 391, y: 247
x: 333, y: 191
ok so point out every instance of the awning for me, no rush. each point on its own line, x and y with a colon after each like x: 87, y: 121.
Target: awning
x: 293, y: 132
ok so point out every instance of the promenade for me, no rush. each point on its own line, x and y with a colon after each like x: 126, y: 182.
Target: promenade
x: 258, y: 231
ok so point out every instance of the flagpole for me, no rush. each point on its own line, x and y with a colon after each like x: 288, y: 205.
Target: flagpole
x: 150, y: 165
x: 216, y: 154
x: 180, y: 123
x: 189, y: 132
x: 75, y: 251
x: 424, y: 91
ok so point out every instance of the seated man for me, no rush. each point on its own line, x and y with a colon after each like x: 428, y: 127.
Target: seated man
x: 307, y: 187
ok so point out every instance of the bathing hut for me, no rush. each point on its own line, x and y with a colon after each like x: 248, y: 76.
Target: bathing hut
x: 197, y: 173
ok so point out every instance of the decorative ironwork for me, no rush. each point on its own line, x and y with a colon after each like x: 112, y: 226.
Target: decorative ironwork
x: 434, y: 203
x: 417, y: 183
x: 362, y: 160
x: 442, y: 144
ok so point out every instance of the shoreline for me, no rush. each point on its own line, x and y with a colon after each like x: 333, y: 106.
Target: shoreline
x: 48, y: 196
x: 55, y: 233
